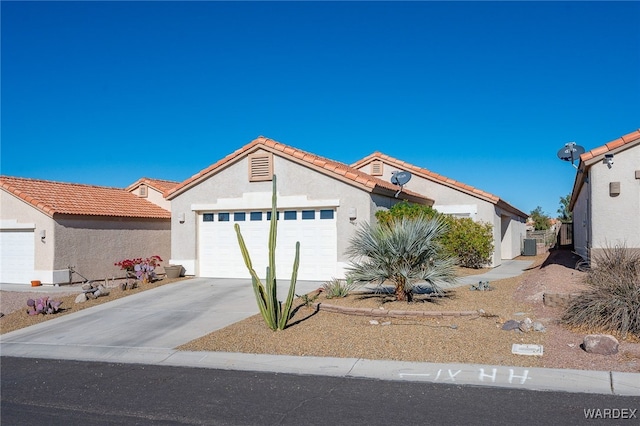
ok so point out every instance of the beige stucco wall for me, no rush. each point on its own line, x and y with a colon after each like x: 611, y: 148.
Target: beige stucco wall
x: 93, y: 245
x: 157, y: 198
x: 293, y: 179
x: 616, y: 219
x: 13, y: 208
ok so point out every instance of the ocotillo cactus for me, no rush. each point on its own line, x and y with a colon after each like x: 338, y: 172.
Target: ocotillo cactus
x: 275, y: 315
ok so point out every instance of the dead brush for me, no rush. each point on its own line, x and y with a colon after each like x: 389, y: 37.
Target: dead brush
x: 612, y: 299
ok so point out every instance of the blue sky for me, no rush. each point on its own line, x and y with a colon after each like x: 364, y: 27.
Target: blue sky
x: 482, y: 92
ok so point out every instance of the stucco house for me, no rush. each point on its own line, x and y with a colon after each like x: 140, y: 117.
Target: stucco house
x: 46, y: 226
x: 320, y: 204
x: 605, y: 200
x: 458, y: 199
x: 153, y: 190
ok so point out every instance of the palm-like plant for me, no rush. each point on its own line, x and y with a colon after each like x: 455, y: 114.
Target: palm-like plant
x: 405, y: 252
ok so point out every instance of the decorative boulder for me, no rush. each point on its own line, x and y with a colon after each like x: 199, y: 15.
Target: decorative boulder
x: 603, y: 344
x: 81, y: 298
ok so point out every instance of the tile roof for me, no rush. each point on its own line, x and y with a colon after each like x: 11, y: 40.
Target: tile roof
x: 77, y: 199
x: 435, y: 177
x: 619, y: 144
x: 597, y: 154
x: 331, y: 168
x: 158, y: 184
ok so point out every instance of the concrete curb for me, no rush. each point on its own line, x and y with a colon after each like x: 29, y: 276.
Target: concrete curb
x: 538, y: 379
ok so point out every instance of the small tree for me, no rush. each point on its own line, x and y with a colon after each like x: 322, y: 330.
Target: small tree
x: 405, y: 251
x: 564, y: 214
x: 541, y: 221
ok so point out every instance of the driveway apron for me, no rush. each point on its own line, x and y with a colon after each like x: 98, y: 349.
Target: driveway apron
x: 157, y: 319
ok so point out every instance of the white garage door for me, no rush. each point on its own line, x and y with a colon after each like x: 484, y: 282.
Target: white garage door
x: 219, y: 254
x: 16, y: 256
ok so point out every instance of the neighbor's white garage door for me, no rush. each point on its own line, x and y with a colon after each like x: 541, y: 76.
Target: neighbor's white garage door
x: 17, y: 256
x: 219, y: 254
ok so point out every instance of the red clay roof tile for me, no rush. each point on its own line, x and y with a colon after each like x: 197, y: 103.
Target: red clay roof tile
x: 329, y: 167
x: 610, y: 146
x: 436, y: 177
x: 77, y: 199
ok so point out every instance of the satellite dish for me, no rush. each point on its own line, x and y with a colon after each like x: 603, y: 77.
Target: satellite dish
x: 400, y: 179
x: 570, y: 152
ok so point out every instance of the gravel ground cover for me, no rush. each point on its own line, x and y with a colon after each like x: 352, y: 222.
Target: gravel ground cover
x: 477, y: 339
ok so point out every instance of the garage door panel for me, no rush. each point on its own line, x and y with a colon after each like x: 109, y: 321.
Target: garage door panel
x: 220, y: 256
x: 17, y: 256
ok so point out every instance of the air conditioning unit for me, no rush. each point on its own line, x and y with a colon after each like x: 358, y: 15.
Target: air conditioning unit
x: 530, y: 247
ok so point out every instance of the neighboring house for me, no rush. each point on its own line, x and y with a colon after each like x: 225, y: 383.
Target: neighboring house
x: 45, y: 227
x: 459, y: 200
x: 320, y: 202
x: 605, y: 201
x: 153, y: 190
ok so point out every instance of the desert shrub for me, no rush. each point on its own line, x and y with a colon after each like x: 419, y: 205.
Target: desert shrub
x: 471, y: 242
x: 611, y: 301
x: 337, y: 288
x: 405, y: 209
x: 468, y: 241
x: 406, y: 252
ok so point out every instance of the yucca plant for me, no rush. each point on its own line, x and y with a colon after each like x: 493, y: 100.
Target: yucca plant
x: 274, y: 313
x: 406, y: 252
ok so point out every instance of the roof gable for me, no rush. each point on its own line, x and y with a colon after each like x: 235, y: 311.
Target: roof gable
x: 77, y: 199
x: 437, y: 178
x: 157, y: 184
x: 325, y: 166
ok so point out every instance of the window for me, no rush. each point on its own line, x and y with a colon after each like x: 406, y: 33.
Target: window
x: 239, y: 216
x: 223, y: 217
x: 255, y: 216
x: 290, y: 215
x: 308, y: 214
x: 269, y: 216
x: 326, y: 214
x: 143, y: 191
x: 207, y: 217
x: 260, y: 167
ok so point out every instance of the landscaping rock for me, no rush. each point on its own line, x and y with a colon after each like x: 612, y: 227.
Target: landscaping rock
x: 511, y: 325
x: 373, y: 322
x: 602, y: 344
x: 525, y: 325
x: 86, y: 286
x: 537, y: 326
x: 81, y: 298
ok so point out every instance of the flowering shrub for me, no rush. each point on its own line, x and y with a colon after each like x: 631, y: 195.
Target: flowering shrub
x: 143, y: 268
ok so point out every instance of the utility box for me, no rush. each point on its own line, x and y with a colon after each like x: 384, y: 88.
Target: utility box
x: 530, y: 247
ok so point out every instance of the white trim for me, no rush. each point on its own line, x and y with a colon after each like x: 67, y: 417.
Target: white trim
x: 262, y: 201
x: 12, y: 224
x: 458, y: 209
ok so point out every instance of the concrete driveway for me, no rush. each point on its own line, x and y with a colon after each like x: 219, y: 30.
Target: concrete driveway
x: 162, y: 318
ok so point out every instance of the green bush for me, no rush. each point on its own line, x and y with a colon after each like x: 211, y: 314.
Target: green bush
x: 405, y: 209
x: 612, y: 299
x: 471, y: 242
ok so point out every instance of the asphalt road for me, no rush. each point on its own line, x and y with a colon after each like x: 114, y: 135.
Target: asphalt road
x: 61, y: 392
